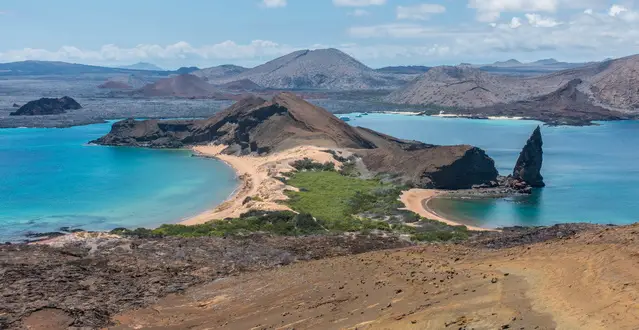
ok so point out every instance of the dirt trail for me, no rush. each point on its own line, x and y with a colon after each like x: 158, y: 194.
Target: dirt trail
x: 586, y: 282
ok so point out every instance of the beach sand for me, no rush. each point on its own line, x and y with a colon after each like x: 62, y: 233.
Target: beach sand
x: 257, y: 176
x: 416, y: 200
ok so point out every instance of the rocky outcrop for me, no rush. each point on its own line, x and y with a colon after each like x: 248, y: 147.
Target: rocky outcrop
x: 252, y: 125
x: 528, y: 166
x: 257, y: 126
x: 15, y: 105
x: 47, y: 106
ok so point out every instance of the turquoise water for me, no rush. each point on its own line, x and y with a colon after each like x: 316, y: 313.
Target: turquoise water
x: 51, y: 178
x: 592, y: 173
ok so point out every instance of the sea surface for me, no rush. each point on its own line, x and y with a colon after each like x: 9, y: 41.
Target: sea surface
x: 51, y: 178
x: 592, y: 173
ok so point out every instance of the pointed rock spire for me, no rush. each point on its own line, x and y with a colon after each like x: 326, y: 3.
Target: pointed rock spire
x: 528, y: 167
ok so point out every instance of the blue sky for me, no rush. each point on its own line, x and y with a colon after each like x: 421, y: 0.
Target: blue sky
x: 377, y: 32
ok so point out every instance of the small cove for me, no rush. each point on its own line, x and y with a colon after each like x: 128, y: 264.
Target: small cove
x: 51, y: 178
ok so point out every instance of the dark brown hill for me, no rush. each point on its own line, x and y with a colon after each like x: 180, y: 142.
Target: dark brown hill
x: 184, y: 85
x: 257, y: 126
x: 47, y: 106
x: 114, y: 85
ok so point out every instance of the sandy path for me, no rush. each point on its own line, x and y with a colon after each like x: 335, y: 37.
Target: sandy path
x: 257, y: 180
x: 416, y: 199
x: 587, y: 282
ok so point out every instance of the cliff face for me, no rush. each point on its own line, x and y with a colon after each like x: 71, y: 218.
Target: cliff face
x: 257, y: 126
x: 47, y: 106
x: 528, y: 166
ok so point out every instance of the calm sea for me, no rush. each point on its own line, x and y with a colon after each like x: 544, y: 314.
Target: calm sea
x: 51, y: 178
x: 592, y: 173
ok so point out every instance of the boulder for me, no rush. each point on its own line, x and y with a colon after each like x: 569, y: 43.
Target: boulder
x: 528, y: 166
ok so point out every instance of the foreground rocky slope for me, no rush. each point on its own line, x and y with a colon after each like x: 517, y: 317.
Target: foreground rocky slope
x: 581, y: 281
x: 576, y: 276
x: 256, y: 126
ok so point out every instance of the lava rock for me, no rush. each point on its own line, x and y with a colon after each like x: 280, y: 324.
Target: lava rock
x: 528, y: 166
x: 47, y: 106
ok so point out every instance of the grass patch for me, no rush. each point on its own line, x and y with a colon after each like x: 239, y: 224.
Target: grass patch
x: 327, y: 195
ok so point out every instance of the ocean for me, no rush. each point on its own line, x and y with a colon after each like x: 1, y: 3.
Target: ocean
x: 50, y: 178
x: 592, y: 173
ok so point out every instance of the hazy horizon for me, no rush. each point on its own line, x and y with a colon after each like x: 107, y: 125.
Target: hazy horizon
x: 377, y: 32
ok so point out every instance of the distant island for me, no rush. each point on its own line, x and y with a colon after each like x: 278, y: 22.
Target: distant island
x: 47, y: 106
x: 142, y: 66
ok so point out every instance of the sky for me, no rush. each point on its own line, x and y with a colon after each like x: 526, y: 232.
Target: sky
x: 379, y: 33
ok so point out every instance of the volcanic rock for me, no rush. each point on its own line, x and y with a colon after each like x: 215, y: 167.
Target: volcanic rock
x: 47, y: 106
x: 184, y: 85
x: 528, y: 166
x: 329, y: 69
x: 114, y: 85
x: 257, y: 126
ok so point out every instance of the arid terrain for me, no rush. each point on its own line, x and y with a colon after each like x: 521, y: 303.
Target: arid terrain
x: 562, y: 277
x: 583, y: 282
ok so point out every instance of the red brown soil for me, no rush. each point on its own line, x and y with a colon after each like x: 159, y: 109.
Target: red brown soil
x: 585, y: 282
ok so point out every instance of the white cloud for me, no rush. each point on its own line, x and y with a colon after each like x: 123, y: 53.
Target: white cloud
x: 181, y: 51
x: 421, y: 11
x: 588, y: 11
x: 274, y: 3
x: 359, y: 13
x: 358, y: 3
x: 615, y: 10
x: 515, y: 22
x: 491, y: 10
x: 582, y: 36
x: 537, y: 20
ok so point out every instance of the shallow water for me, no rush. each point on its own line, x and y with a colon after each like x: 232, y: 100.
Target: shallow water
x: 592, y: 173
x: 51, y: 178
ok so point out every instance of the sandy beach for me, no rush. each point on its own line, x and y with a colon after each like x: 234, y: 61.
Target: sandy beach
x: 416, y: 200
x: 257, y: 180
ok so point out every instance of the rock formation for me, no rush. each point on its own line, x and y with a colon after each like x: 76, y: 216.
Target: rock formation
x: 16, y: 105
x: 47, y: 106
x: 257, y: 126
x: 528, y: 166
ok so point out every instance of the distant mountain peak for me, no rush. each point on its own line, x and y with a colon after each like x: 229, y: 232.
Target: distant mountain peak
x: 511, y: 61
x: 546, y: 61
x: 142, y: 66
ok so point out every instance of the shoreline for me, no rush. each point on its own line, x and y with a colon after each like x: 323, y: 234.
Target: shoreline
x: 416, y: 200
x: 257, y: 179
x: 259, y: 189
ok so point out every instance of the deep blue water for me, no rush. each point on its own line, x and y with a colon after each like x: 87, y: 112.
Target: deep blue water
x: 592, y: 173
x: 51, y: 178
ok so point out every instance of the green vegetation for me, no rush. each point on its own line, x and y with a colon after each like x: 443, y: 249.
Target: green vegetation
x: 326, y: 195
x: 278, y: 223
x: 308, y: 164
x: 328, y: 202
